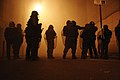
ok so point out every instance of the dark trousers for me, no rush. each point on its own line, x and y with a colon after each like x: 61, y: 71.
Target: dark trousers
x: 89, y: 44
x: 8, y: 45
x: 85, y: 48
x: 32, y: 50
x: 17, y: 48
x: 104, y: 53
x: 70, y: 43
x: 93, y: 48
x: 50, y: 47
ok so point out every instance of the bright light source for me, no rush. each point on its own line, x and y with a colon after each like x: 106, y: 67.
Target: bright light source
x: 38, y: 7
x: 99, y: 2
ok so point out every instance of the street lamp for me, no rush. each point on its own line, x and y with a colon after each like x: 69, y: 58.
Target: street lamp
x: 100, y: 3
x: 100, y: 42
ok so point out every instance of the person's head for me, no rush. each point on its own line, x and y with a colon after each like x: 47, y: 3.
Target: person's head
x: 92, y: 23
x: 19, y: 26
x: 11, y: 24
x: 34, y: 13
x: 50, y: 27
x: 73, y: 23
x: 68, y: 22
x: 86, y: 25
x: 105, y: 27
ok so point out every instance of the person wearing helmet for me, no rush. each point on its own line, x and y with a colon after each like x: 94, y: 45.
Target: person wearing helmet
x: 89, y: 38
x: 107, y: 34
x: 93, y: 29
x: 33, y: 36
x: 50, y: 36
x: 70, y: 31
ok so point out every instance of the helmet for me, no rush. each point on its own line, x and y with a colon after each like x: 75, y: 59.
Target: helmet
x: 11, y: 24
x: 73, y: 23
x: 34, y: 13
x: 105, y: 27
x: 19, y: 25
x: 50, y: 27
x: 92, y: 23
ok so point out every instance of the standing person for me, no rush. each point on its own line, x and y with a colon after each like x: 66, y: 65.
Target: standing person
x: 86, y: 36
x: 89, y: 38
x: 105, y: 41
x: 10, y: 37
x: 33, y: 36
x: 117, y: 34
x: 19, y: 39
x: 93, y: 29
x: 50, y: 36
x: 70, y: 31
x: 85, y: 42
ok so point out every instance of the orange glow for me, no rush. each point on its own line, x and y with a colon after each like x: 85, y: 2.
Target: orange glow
x: 57, y: 12
x: 38, y: 8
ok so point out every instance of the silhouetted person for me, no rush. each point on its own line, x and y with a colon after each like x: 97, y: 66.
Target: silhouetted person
x: 85, y: 42
x: 70, y: 31
x: 89, y: 38
x: 33, y: 36
x: 105, y: 41
x: 93, y: 37
x: 117, y: 34
x: 50, y: 36
x: 19, y: 39
x: 10, y: 37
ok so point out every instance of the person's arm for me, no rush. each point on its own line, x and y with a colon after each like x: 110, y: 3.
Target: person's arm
x: 79, y: 27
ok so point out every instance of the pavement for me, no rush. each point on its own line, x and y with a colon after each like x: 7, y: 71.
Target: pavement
x: 60, y: 69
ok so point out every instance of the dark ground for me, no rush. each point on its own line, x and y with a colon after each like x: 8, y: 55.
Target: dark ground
x: 59, y: 69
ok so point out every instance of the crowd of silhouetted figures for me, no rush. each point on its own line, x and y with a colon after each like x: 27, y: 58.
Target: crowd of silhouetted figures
x: 14, y: 37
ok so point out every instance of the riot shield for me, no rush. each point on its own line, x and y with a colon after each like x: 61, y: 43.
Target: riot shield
x: 63, y: 37
x: 45, y: 39
x: 55, y: 42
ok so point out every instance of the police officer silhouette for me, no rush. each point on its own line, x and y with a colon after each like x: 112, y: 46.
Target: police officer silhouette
x: 10, y: 37
x: 117, y: 34
x: 50, y: 36
x: 107, y: 34
x: 70, y: 31
x: 33, y: 36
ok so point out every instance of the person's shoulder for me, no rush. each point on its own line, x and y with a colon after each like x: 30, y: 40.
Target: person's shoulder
x: 95, y: 27
x: 65, y: 27
x: 7, y: 28
x: 47, y: 31
x: 110, y: 31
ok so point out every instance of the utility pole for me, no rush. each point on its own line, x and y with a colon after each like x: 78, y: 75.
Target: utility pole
x: 100, y: 3
x: 100, y: 16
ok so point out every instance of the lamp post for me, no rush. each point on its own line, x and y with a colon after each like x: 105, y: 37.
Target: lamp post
x: 100, y: 16
x: 100, y: 3
x: 100, y: 49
